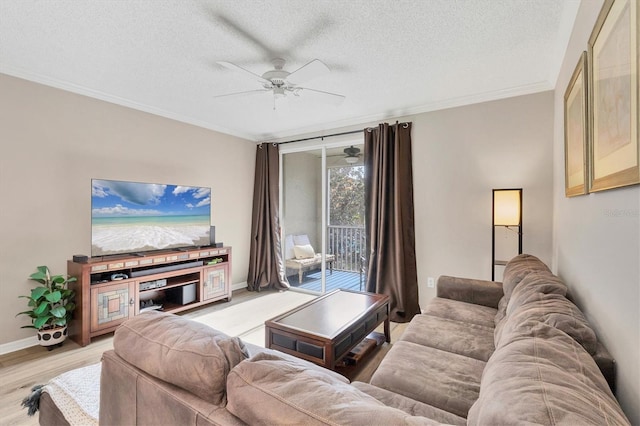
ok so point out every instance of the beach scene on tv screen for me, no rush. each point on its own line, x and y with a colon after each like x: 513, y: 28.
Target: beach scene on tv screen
x: 131, y: 217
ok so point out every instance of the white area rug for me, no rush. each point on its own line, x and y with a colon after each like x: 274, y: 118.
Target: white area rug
x: 246, y: 319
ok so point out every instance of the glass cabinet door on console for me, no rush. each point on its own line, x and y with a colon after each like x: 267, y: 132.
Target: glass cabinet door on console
x: 112, y: 304
x: 215, y: 281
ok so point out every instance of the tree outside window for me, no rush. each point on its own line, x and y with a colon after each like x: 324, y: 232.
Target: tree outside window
x: 346, y: 217
x: 346, y: 196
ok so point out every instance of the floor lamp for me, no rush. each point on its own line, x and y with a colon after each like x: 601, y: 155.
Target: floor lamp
x: 507, y: 212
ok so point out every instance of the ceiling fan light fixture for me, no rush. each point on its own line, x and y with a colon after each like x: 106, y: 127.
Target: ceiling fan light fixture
x: 352, y: 154
x: 278, y: 92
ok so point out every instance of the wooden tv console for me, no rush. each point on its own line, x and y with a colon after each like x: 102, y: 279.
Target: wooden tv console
x: 111, y: 289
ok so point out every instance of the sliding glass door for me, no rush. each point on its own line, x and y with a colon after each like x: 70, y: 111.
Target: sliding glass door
x: 322, y: 217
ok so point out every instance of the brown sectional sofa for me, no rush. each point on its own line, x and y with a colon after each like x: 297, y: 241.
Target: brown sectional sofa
x: 481, y: 353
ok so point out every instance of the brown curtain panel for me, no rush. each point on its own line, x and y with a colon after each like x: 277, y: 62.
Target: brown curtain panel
x: 266, y: 267
x: 389, y: 223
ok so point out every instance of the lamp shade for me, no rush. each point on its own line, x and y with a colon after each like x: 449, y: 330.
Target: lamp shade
x: 506, y: 207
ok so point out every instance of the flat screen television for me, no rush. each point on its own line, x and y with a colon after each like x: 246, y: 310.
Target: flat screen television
x: 134, y: 217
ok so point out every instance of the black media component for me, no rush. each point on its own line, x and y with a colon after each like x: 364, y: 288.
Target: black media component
x: 80, y: 258
x: 182, y: 295
x: 151, y: 271
x: 212, y: 235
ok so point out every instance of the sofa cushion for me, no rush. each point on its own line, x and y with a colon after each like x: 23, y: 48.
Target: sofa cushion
x: 518, y: 268
x: 442, y: 379
x: 268, y: 389
x: 408, y: 405
x: 472, y: 340
x: 185, y: 353
x: 304, y: 251
x: 129, y: 396
x: 533, y: 283
x: 544, y: 379
x: 502, y: 311
x: 461, y: 311
x: 551, y: 309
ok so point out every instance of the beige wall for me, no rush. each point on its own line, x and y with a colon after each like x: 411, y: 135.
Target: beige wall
x: 302, y: 196
x: 459, y: 156
x: 597, y: 245
x: 54, y: 142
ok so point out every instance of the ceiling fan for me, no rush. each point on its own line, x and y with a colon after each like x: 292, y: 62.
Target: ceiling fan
x: 352, y: 154
x: 283, y: 83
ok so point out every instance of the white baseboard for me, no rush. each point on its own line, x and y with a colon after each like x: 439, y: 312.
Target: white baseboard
x: 33, y: 341
x: 18, y: 344
x: 238, y: 286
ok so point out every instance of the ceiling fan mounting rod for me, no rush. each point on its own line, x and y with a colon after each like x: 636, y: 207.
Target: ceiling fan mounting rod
x: 278, y: 63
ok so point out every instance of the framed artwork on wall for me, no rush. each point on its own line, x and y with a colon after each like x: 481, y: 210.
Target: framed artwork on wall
x: 614, y: 159
x: 576, y: 131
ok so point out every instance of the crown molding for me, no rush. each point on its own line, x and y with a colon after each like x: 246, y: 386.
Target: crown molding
x: 96, y: 94
x: 529, y: 89
x: 278, y: 136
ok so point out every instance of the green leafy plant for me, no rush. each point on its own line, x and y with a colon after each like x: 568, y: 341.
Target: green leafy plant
x: 51, y: 303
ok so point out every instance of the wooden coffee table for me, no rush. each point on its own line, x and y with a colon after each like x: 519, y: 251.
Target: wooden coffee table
x: 325, y: 329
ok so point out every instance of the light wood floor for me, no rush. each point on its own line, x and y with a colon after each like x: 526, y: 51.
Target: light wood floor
x: 244, y: 316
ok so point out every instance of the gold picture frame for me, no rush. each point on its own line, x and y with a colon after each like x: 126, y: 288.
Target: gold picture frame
x: 576, y: 131
x: 614, y: 154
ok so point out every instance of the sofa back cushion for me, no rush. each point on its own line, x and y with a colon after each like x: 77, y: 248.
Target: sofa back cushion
x: 185, y: 353
x: 533, y: 284
x: 518, y: 268
x: 553, y: 310
x: 502, y: 311
x: 515, y: 273
x: 288, y: 247
x: 270, y: 389
x: 546, y: 378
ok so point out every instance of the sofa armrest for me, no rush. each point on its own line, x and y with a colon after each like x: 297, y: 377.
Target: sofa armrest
x: 479, y: 292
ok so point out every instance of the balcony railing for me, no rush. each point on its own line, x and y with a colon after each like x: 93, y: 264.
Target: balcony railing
x: 347, y: 243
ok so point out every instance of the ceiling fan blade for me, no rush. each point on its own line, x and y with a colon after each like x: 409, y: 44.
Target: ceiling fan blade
x: 238, y: 29
x: 247, y: 73
x: 311, y: 70
x: 248, y: 92
x: 331, y: 98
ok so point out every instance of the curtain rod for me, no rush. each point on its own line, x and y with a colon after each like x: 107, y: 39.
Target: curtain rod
x: 352, y: 132
x: 321, y: 137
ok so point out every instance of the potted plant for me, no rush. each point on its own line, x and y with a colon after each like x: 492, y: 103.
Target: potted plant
x: 51, y: 306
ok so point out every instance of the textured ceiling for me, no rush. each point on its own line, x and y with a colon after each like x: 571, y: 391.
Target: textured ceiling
x: 389, y: 58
